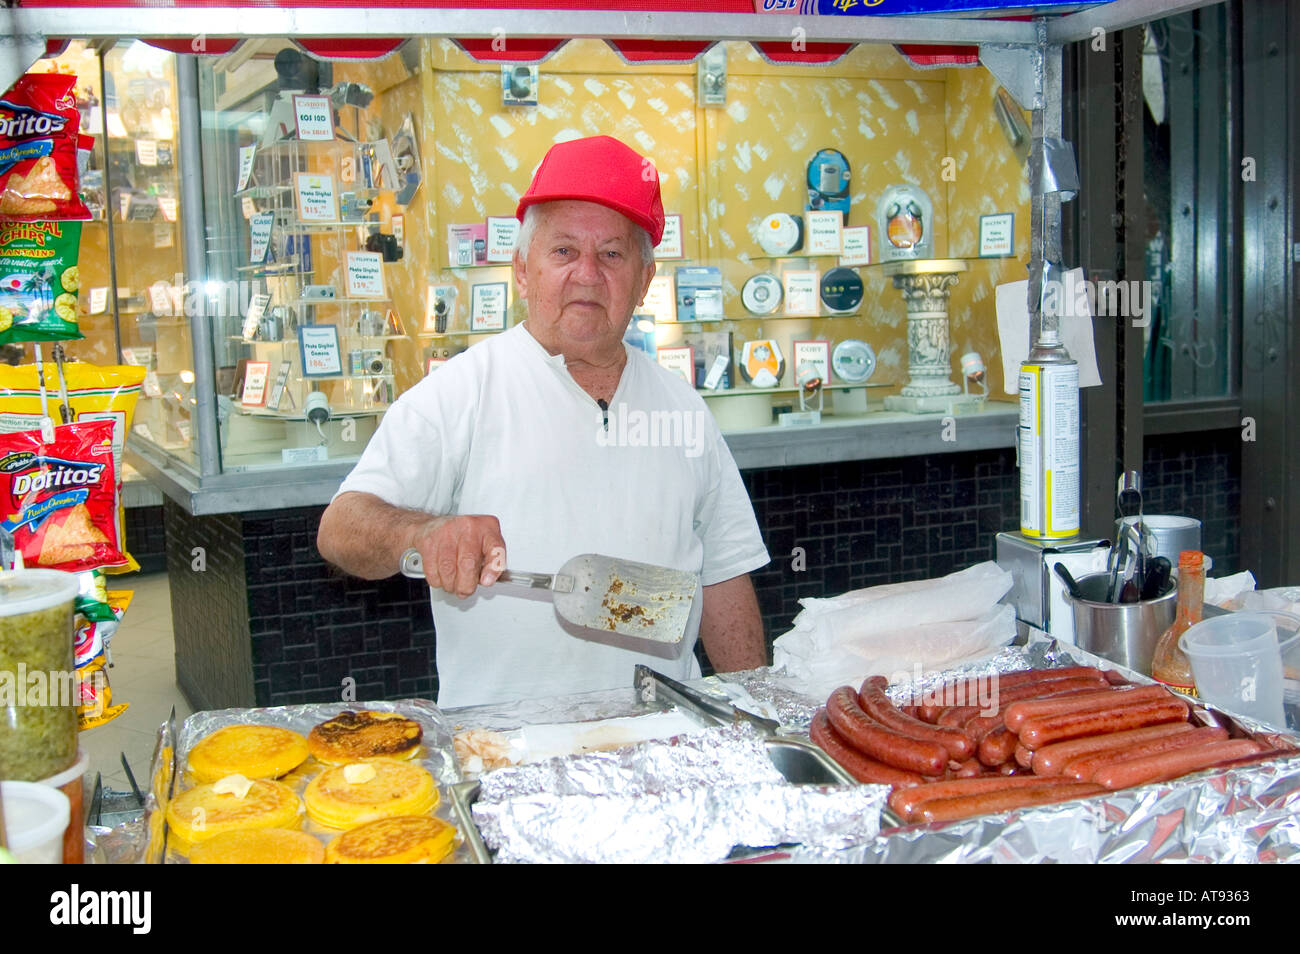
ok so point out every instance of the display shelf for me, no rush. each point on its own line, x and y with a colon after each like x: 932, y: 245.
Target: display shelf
x: 336, y: 300
x: 833, y: 386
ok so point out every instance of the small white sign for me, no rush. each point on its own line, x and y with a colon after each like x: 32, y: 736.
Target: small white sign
x: 304, y: 455
x: 856, y: 246
x: 823, y: 232
x: 316, y: 199
x: 259, y: 228
x: 167, y: 206
x: 146, y: 152
x: 997, y: 235
x: 277, y: 390
x: 152, y: 388
x: 660, y: 300
x: 140, y: 357
x: 247, y: 206
x: 246, y: 156
x: 98, y: 300
x: 399, y: 230
x: 315, y: 118
x: 800, y: 292
x: 670, y: 246
x: 679, y: 361
x: 185, y: 430
x: 815, y: 353
x: 160, y: 298
x: 320, y: 350
x: 162, y: 235
x: 488, y: 304
x: 256, y: 374
x: 365, y: 275
x: 256, y: 308
x: 501, y: 235
x: 124, y: 204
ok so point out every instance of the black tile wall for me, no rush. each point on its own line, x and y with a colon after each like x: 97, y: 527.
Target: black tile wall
x: 146, y: 539
x: 205, y: 568
x: 1199, y: 475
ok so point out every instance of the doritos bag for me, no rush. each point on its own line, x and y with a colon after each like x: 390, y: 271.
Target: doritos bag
x: 60, y: 500
x: 39, y: 126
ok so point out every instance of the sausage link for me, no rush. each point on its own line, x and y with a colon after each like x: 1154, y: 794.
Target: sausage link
x: 1083, y: 702
x: 981, y: 725
x: 1024, y: 758
x: 876, y: 704
x: 906, y: 801
x: 971, y: 768
x: 953, y: 809
x: 861, y: 767
x: 1167, y: 765
x: 871, y: 738
x: 997, y: 747
x: 1051, y: 759
x: 1085, y: 768
x: 1035, y: 733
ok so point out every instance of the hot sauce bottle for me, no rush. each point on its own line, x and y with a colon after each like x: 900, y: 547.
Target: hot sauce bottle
x: 1170, y: 664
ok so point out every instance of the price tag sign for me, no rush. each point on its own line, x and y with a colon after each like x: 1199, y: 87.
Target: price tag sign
x: 141, y: 357
x: 320, y: 350
x: 316, y: 199
x: 857, y: 246
x: 501, y: 235
x: 997, y: 235
x: 277, y: 390
x: 246, y: 154
x: 800, y: 292
x: 315, y: 118
x: 399, y: 230
x: 247, y: 207
x: 255, y: 378
x: 260, y: 233
x: 98, y: 300
x: 162, y: 235
x: 670, y: 246
x: 660, y: 300
x: 365, y: 275
x: 167, y: 206
x: 146, y: 152
x: 152, y: 388
x: 256, y: 309
x: 160, y: 299
x: 679, y: 361
x: 824, y: 232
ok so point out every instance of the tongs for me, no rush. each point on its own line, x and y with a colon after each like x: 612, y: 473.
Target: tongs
x: 653, y: 685
x: 1127, y: 562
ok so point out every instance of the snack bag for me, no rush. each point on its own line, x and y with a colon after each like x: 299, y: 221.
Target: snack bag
x: 39, y: 280
x: 60, y: 500
x: 39, y: 125
x: 92, y: 654
x: 95, y: 393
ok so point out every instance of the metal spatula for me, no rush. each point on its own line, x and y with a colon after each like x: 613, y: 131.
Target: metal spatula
x: 606, y: 593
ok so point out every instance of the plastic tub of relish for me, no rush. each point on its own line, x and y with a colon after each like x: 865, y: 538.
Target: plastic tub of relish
x: 38, y: 685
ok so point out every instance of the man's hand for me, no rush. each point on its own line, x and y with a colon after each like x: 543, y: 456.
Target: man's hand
x: 462, y: 553
x: 366, y: 536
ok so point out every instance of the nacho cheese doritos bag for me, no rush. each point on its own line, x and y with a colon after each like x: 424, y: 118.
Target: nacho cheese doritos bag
x: 39, y: 127
x: 60, y: 500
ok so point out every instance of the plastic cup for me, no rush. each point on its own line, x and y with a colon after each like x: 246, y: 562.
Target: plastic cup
x: 1237, y: 663
x: 71, y: 783
x: 36, y: 817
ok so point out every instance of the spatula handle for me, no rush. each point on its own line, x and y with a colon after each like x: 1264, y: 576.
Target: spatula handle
x: 413, y: 566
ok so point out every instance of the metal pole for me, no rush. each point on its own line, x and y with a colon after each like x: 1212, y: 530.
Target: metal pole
x: 100, y: 50
x: 1044, y: 210
x: 204, y: 414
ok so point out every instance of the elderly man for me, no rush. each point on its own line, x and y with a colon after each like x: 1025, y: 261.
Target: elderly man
x: 508, y: 453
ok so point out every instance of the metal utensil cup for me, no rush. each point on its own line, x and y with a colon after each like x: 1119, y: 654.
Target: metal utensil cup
x: 1125, y: 633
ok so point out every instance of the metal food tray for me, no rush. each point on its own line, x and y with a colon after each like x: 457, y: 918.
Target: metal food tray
x: 169, y: 775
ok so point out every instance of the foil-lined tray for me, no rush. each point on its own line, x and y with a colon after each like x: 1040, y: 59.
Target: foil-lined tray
x: 174, y: 743
x: 1235, y: 815
x: 694, y: 798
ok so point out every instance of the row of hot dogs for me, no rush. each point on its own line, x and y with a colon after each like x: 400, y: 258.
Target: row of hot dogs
x: 1026, y: 738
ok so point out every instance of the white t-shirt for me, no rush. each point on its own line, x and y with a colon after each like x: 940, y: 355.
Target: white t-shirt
x: 503, y: 429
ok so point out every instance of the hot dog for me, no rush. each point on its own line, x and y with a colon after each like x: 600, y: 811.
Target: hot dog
x: 1051, y: 759
x: 861, y: 767
x: 1035, y: 733
x: 906, y: 801
x: 981, y: 692
x: 871, y: 738
x: 1088, y: 766
x: 1082, y: 702
x: 981, y: 725
x: 876, y: 704
x: 1024, y: 758
x: 999, y: 695
x: 1167, y: 765
x: 952, y: 809
x: 997, y: 747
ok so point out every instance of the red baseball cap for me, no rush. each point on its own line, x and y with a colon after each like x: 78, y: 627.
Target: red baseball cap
x: 603, y: 170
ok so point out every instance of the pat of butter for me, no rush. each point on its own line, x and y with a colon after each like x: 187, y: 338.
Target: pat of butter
x: 235, y: 785
x: 358, y: 773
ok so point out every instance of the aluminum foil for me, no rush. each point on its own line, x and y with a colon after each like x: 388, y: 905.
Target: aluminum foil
x: 691, y: 799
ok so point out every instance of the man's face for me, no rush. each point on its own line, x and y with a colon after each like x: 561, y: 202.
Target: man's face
x: 581, y: 275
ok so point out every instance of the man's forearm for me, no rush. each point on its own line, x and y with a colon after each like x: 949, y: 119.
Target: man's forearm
x: 731, y: 626
x: 364, y: 536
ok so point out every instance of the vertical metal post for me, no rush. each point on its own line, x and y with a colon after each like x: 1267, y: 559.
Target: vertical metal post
x: 204, y: 413
x: 1044, y: 210
x: 100, y: 50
